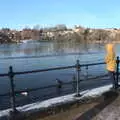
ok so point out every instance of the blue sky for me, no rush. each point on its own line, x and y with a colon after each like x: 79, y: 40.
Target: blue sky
x: 17, y: 14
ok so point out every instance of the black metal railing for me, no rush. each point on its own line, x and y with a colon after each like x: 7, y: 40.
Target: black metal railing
x: 77, y: 66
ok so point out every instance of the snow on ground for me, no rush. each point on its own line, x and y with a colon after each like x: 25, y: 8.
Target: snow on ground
x: 58, y: 100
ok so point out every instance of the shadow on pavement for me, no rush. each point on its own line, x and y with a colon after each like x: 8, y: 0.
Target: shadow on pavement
x: 108, y: 97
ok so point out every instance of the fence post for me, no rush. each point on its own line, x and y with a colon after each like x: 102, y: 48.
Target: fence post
x: 117, y: 70
x: 12, y: 92
x: 87, y: 72
x: 78, y: 78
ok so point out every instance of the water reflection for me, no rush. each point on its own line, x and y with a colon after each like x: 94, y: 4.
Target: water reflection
x: 46, y: 48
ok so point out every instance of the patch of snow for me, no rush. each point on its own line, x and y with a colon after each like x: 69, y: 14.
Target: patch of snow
x: 59, y: 100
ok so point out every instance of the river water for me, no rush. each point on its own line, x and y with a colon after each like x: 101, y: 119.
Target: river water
x: 40, y: 55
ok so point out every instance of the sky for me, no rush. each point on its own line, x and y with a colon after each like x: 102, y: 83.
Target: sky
x: 17, y: 14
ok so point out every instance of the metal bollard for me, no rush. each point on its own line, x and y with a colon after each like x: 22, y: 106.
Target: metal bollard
x: 78, y: 77
x: 117, y: 70
x: 11, y: 75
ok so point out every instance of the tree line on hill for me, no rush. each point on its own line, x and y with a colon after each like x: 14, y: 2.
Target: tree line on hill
x: 60, y: 33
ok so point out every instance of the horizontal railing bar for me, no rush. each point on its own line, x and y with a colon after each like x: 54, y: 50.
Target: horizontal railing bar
x: 4, y: 75
x: 92, y: 64
x: 100, y: 76
x: 5, y: 94
x: 55, y: 85
x: 43, y: 70
x: 49, y: 69
x: 88, y: 79
x: 51, y: 86
x: 35, y: 89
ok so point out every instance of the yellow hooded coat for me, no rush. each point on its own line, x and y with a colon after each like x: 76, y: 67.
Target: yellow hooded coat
x: 110, y: 58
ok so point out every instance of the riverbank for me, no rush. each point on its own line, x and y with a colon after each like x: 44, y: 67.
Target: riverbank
x: 88, y: 42
x: 58, y: 104
x: 97, y: 109
x: 103, y: 42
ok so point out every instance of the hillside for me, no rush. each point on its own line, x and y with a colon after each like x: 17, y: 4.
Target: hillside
x: 61, y: 34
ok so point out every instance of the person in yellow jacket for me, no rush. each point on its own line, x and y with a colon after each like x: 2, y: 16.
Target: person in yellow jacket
x: 110, y: 60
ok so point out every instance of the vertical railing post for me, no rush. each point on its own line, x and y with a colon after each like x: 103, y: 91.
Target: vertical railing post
x: 78, y: 78
x: 12, y: 91
x: 117, y: 70
x: 87, y: 72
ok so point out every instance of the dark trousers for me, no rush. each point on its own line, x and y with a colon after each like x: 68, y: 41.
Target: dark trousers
x: 113, y: 79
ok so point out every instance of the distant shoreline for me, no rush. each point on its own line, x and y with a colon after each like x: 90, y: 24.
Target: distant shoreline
x: 103, y: 42
x: 88, y: 42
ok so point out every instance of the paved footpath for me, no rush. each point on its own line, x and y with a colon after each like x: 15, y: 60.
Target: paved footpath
x: 108, y: 109
x: 111, y: 111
